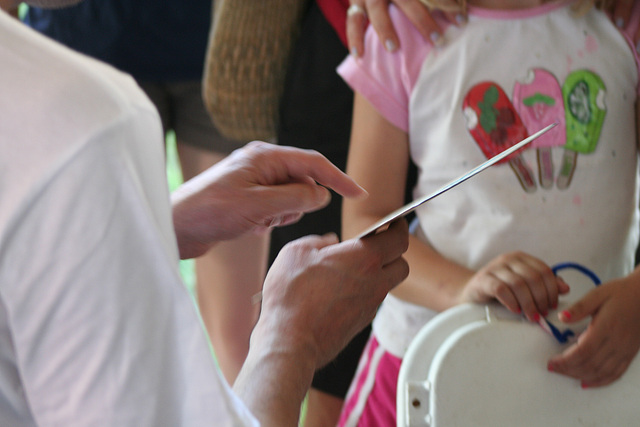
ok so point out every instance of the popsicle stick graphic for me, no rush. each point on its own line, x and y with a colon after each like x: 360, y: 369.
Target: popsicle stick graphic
x: 495, y: 125
x: 584, y: 94
x: 538, y: 99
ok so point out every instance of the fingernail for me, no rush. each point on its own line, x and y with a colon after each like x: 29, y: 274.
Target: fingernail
x: 550, y: 367
x: 584, y: 386
x: 354, y: 52
x: 390, y: 45
x: 436, y: 38
x: 620, y: 22
x: 461, y: 19
x: 566, y: 314
x: 554, y: 305
x: 536, y: 317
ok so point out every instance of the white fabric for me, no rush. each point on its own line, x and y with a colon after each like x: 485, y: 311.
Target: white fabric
x: 96, y: 328
x: 593, y: 222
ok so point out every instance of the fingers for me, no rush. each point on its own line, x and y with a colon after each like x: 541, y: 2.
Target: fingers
x: 377, y: 13
x: 283, y: 203
x: 381, y: 254
x: 305, y: 165
x: 392, y: 242
x: 421, y: 18
x: 584, y: 307
x: 524, y: 284
x: 356, y: 27
x: 605, y: 349
x: 595, y: 359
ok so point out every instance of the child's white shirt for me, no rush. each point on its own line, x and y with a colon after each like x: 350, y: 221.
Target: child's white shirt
x: 422, y: 90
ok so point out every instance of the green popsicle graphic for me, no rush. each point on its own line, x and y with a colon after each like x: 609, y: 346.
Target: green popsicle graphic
x: 583, y: 93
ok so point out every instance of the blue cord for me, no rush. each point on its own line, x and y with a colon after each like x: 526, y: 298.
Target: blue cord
x: 563, y: 337
x: 563, y: 266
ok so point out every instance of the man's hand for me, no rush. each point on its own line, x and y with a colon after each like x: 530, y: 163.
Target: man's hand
x: 330, y: 291
x: 317, y: 295
x: 255, y: 188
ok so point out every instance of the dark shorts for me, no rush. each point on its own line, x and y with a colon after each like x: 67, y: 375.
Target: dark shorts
x: 315, y: 113
x: 182, y: 110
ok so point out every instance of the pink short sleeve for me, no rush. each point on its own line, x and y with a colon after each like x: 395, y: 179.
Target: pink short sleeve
x: 629, y: 32
x: 386, y: 79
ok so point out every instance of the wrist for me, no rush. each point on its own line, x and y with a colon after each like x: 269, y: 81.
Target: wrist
x: 276, y: 376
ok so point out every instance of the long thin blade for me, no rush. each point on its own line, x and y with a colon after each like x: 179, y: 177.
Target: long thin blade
x: 410, y: 207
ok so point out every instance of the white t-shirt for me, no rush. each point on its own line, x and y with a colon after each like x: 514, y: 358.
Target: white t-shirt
x: 511, y: 73
x: 96, y: 328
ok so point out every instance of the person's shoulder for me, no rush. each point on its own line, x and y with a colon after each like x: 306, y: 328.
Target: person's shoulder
x: 49, y: 81
x: 56, y: 102
x: 60, y: 92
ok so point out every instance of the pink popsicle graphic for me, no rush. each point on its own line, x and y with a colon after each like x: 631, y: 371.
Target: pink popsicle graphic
x: 495, y: 126
x: 538, y: 99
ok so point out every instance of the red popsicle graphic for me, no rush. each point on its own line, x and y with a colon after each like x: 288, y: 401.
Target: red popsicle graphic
x: 495, y: 125
x: 539, y: 101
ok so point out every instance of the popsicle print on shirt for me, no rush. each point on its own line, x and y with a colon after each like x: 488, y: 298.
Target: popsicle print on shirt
x: 495, y: 125
x: 585, y: 110
x: 539, y: 101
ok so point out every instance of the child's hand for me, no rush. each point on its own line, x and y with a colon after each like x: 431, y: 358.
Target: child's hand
x: 521, y: 282
x: 612, y: 339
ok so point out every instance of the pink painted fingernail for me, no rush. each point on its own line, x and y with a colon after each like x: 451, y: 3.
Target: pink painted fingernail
x: 550, y: 367
x: 566, y: 314
x: 536, y: 317
x: 584, y: 386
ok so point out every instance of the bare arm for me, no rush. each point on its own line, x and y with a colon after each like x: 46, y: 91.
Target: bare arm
x: 378, y: 160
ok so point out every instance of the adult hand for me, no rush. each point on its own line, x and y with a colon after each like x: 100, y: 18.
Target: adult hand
x: 377, y: 12
x: 256, y: 187
x: 317, y: 295
x: 521, y: 282
x: 605, y: 349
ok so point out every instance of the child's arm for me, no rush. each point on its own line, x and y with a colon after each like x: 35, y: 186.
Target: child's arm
x: 378, y: 158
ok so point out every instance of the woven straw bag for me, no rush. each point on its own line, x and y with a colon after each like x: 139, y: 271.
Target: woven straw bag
x: 249, y: 48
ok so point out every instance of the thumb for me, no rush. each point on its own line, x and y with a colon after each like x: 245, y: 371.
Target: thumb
x: 296, y: 197
x: 586, y: 306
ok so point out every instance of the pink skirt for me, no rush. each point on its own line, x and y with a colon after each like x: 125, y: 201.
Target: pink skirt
x: 371, y: 400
